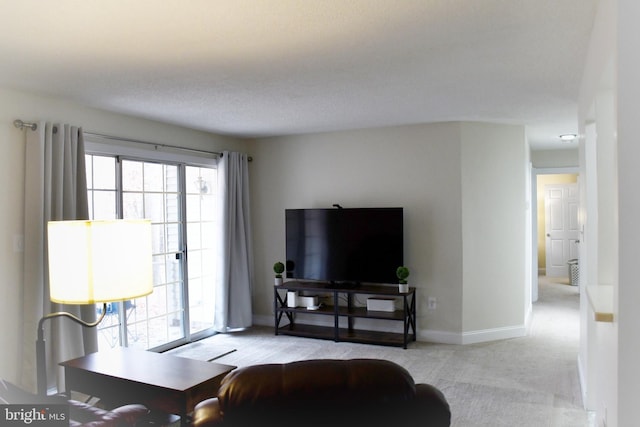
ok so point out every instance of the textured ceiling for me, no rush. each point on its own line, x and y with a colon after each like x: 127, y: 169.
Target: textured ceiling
x: 273, y: 67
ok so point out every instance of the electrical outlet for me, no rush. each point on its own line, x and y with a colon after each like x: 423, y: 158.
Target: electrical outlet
x: 431, y: 303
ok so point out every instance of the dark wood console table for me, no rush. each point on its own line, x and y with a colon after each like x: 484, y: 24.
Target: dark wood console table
x: 336, y: 311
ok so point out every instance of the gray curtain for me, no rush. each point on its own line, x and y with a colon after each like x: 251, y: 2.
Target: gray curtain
x: 55, y: 189
x: 235, y: 272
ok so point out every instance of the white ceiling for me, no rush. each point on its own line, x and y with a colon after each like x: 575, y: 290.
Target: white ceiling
x: 273, y: 67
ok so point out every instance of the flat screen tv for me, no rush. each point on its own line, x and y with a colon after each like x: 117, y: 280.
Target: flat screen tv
x: 344, y: 246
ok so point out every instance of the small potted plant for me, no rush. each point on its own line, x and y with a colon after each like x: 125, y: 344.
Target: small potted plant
x: 278, y: 268
x: 402, y: 273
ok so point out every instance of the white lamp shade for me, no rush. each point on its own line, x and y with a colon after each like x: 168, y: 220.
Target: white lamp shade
x: 99, y: 261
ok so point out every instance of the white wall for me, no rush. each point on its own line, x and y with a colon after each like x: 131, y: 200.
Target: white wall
x: 601, y: 211
x: 555, y: 158
x: 28, y: 107
x: 419, y: 168
x: 628, y: 93
x: 414, y: 167
x: 494, y: 229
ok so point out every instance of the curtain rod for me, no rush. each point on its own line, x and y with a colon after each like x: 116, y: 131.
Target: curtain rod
x: 21, y: 125
x: 155, y: 144
x: 33, y: 126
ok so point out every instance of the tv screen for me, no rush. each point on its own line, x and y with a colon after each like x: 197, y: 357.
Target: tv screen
x: 361, y: 245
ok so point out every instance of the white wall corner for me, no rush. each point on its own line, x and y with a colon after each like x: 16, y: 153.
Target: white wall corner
x: 582, y: 376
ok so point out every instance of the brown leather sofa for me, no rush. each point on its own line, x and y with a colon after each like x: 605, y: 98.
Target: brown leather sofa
x: 80, y: 414
x: 356, y: 392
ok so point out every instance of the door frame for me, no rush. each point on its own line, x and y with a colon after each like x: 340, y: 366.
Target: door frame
x: 571, y: 237
x: 534, y: 223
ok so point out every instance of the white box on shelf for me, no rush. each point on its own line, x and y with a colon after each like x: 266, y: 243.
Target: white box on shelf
x: 292, y: 299
x: 307, y: 301
x: 381, y: 304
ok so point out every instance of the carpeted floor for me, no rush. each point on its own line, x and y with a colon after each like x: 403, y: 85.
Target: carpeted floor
x: 201, y: 350
x: 529, y: 381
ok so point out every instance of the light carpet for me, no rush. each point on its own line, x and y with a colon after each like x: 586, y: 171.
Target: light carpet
x: 201, y: 351
x: 528, y: 381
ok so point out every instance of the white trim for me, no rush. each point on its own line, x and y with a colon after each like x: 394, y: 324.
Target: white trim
x: 474, y: 337
x: 486, y: 335
x: 100, y: 145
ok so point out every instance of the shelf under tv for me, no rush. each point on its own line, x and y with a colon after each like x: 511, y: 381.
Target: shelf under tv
x: 406, y: 315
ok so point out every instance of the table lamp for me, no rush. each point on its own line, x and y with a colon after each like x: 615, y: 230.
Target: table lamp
x: 94, y: 262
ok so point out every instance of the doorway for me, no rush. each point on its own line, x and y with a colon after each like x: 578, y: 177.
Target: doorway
x: 562, y: 231
x: 542, y: 177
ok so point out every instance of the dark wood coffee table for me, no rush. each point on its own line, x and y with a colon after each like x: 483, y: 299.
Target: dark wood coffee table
x: 171, y: 384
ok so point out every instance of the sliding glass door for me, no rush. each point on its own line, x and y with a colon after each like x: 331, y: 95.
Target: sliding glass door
x: 180, y: 202
x: 201, y: 257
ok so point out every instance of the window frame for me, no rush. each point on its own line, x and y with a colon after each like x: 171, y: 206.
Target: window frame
x: 123, y: 149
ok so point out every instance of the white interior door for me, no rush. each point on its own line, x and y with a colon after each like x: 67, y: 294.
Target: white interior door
x: 561, y: 227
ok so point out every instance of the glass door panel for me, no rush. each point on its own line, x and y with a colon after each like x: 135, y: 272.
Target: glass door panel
x: 200, y: 216
x: 150, y: 190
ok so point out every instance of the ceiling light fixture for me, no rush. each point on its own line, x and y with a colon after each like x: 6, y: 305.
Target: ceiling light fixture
x: 568, y: 137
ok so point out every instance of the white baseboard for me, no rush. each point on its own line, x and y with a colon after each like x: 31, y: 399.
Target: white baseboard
x: 444, y: 337
x: 472, y: 337
x: 495, y: 334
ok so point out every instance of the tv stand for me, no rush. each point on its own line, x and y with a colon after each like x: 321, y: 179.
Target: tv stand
x: 335, y: 311
x: 343, y: 285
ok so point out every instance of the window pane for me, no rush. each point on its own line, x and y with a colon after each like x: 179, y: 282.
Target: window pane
x: 104, y: 173
x: 157, y: 301
x: 193, y: 208
x: 193, y: 231
x: 88, y: 160
x: 132, y: 206
x: 104, y: 205
x: 131, y: 176
x: 173, y: 268
x: 171, y: 183
x: 208, y: 235
x: 159, y: 270
x: 174, y: 302
x: 195, y: 264
x: 200, y: 213
x: 158, y: 240
x: 158, y: 331
x: 153, y: 207
x: 208, y: 263
x: 153, y: 177
x: 173, y: 238
x: 172, y: 203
